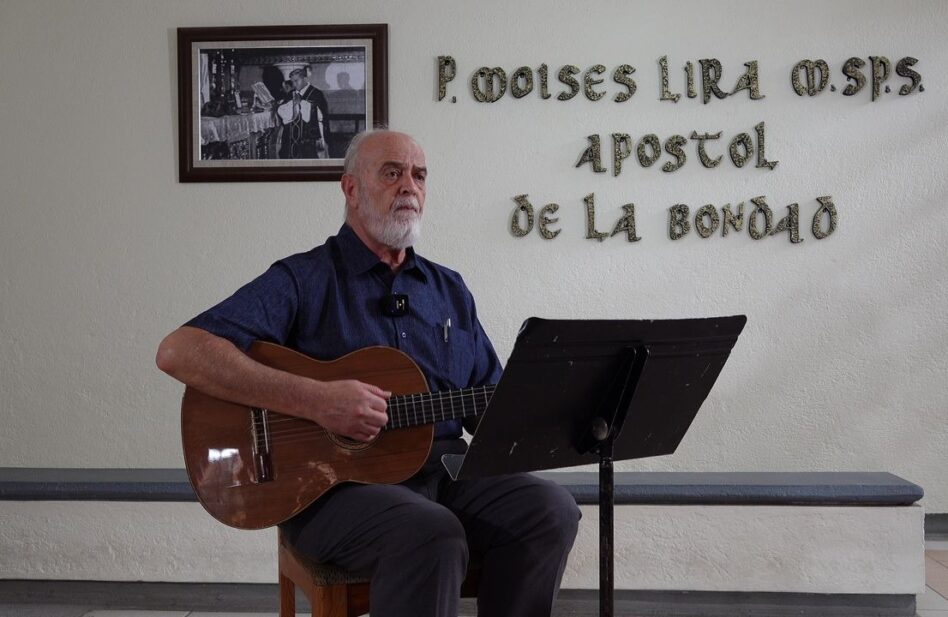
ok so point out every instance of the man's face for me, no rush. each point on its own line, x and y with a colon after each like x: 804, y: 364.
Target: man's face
x: 299, y: 82
x: 388, y: 191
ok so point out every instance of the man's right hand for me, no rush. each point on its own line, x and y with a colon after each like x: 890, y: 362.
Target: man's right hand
x: 216, y: 367
x: 352, y: 408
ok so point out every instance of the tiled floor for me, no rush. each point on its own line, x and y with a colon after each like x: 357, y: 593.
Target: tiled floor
x: 933, y: 603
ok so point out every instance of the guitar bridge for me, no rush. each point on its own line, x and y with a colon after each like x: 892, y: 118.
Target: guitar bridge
x: 260, y: 431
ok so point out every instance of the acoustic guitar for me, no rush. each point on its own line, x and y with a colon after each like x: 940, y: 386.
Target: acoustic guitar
x: 253, y: 468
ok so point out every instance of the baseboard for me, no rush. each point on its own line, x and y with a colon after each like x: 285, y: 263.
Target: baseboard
x: 249, y: 597
x: 740, y: 604
x: 936, y: 526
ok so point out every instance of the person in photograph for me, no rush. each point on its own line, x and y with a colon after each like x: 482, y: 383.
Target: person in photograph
x: 288, y: 90
x: 305, y: 118
x: 282, y: 107
x: 342, y: 79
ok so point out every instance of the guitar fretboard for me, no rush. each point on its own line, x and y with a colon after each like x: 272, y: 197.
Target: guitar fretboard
x: 429, y: 407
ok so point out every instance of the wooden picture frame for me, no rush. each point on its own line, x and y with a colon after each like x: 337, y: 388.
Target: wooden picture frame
x: 272, y: 103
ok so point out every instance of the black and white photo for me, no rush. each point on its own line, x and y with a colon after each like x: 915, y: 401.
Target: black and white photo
x: 277, y: 103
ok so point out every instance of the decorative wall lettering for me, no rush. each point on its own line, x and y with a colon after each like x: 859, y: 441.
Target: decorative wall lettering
x: 852, y: 73
x: 702, y: 155
x: 591, y: 233
x: 592, y: 155
x: 790, y: 224
x: 447, y: 70
x: 678, y: 225
x: 761, y: 157
x: 740, y: 140
x: 627, y: 223
x: 589, y: 81
x: 707, y: 220
x: 760, y: 207
x: 710, y: 74
x: 524, y: 207
x: 566, y: 78
x: 663, y: 72
x: 524, y: 210
x: 760, y: 223
x: 902, y: 70
x: 731, y: 220
x: 710, y: 213
x: 690, y: 80
x: 521, y: 82
x: 649, y: 150
x: 673, y: 147
x: 543, y: 73
x: 650, y: 141
x: 880, y: 73
x: 495, y: 84
x: 749, y: 81
x: 623, y: 75
x: 621, y: 149
x: 546, y: 221
x: 808, y: 78
x: 829, y: 210
x: 810, y: 67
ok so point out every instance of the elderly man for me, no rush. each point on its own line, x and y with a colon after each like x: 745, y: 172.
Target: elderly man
x: 414, y: 539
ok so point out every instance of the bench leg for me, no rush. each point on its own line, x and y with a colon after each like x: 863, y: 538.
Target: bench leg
x: 287, y: 597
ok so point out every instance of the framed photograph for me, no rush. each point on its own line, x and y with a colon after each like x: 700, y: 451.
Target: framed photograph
x: 267, y: 103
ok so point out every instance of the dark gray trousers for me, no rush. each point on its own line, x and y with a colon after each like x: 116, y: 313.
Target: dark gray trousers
x: 415, y: 540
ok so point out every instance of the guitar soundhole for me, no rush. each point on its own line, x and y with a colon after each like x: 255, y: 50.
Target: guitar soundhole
x: 351, y: 444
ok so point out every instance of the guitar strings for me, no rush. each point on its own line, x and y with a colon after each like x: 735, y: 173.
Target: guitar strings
x: 300, y: 425
x: 403, y: 406
x: 399, y: 418
x: 308, y: 431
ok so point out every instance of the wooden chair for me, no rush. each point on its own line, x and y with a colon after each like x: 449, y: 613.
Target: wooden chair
x: 332, y: 591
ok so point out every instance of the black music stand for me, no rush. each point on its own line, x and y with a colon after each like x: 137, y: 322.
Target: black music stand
x: 569, y: 389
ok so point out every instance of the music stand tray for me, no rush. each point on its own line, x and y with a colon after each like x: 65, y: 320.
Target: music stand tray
x: 578, y: 392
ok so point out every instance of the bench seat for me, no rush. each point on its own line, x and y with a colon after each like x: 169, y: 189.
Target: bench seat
x: 657, y: 488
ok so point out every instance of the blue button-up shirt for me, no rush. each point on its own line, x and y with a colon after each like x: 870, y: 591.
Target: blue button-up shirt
x: 326, y: 303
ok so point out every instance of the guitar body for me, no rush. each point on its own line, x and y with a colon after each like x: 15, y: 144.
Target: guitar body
x: 253, y: 469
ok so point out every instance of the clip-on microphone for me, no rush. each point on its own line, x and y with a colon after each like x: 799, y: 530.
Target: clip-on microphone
x: 395, y: 305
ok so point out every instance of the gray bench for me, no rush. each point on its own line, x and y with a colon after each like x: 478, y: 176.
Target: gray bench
x: 691, y: 490
x: 660, y: 488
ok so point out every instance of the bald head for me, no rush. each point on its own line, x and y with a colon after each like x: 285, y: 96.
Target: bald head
x: 363, y: 140
x: 384, y: 182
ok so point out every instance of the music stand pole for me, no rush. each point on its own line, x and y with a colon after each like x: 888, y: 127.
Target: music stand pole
x: 606, y: 529
x: 599, y: 439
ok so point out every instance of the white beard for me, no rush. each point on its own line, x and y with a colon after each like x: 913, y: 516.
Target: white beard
x: 398, y: 229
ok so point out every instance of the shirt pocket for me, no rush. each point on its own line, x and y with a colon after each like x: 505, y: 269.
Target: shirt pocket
x: 457, y: 355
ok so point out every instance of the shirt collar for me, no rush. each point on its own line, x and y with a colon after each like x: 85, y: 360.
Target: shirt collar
x: 359, y: 259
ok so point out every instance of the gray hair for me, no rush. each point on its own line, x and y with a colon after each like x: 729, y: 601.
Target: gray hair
x: 351, y: 160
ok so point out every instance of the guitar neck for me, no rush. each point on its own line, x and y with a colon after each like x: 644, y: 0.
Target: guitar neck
x: 430, y: 407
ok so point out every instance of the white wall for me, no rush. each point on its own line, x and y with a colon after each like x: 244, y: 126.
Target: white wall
x: 841, y: 366
x: 802, y: 549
